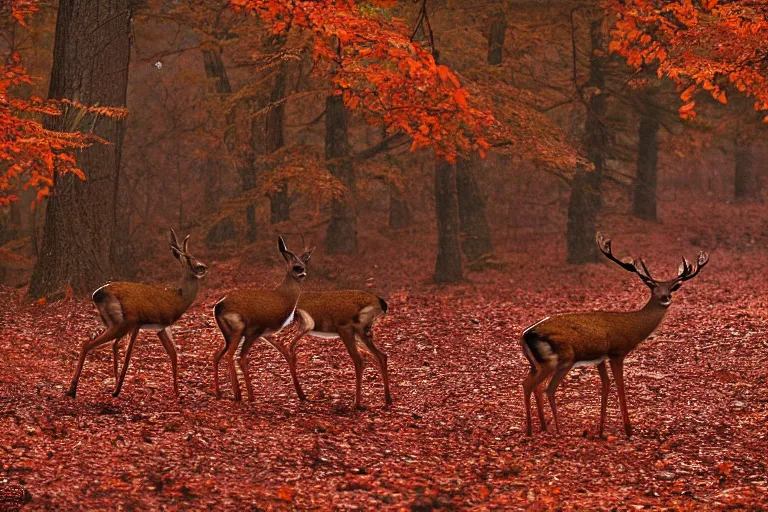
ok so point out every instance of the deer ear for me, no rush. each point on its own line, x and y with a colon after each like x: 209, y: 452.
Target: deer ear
x: 307, y: 254
x: 172, y: 239
x: 185, y: 243
x: 281, y: 245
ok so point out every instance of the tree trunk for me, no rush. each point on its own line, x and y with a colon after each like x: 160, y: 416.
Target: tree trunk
x: 475, y: 234
x: 585, y: 202
x: 280, y: 208
x: 647, y: 174
x: 217, y: 73
x: 746, y: 182
x: 341, y: 236
x: 84, y: 240
x: 496, y: 39
x: 399, y: 214
x: 448, y: 266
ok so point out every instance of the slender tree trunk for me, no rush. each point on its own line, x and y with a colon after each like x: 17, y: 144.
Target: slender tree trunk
x: 399, y: 214
x: 83, y: 242
x: 647, y: 174
x: 280, y: 207
x: 496, y: 36
x: 216, y: 72
x: 249, y: 173
x: 585, y: 202
x: 341, y: 236
x: 448, y: 266
x: 475, y: 233
x: 746, y: 182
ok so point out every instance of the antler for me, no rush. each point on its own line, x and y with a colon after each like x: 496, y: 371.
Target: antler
x: 688, y: 271
x: 638, y: 267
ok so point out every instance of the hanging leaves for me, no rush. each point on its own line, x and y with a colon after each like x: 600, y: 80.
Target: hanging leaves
x: 707, y: 45
x: 383, y: 75
x: 30, y: 152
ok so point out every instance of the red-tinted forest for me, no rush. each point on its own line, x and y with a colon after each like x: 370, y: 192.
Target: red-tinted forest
x: 452, y: 163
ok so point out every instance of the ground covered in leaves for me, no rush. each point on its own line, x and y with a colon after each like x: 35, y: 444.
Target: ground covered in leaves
x: 453, y: 438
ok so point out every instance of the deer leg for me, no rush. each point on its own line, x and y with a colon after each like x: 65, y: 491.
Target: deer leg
x: 227, y: 334
x: 233, y: 341
x: 348, y: 337
x: 539, y: 395
x: 115, y: 356
x: 290, y: 353
x: 557, y: 377
x: 617, y: 367
x: 166, y: 338
x: 531, y: 384
x: 119, y: 384
x: 605, y: 387
x: 381, y: 358
x: 242, y: 361
x: 109, y: 334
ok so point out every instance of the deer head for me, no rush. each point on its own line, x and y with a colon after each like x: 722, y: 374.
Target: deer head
x: 296, y: 266
x: 189, y: 264
x: 661, y: 291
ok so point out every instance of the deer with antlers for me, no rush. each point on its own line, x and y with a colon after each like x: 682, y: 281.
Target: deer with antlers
x: 251, y: 314
x: 127, y: 307
x: 557, y: 344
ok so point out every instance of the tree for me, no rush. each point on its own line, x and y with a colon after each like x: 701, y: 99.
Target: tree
x: 82, y: 244
x: 644, y: 198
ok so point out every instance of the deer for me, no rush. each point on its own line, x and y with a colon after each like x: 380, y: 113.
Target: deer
x: 345, y: 314
x: 556, y: 344
x: 128, y: 307
x: 249, y: 314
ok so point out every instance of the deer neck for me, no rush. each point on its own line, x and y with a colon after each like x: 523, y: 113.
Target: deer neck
x: 188, y: 287
x: 646, y: 320
x: 290, y: 288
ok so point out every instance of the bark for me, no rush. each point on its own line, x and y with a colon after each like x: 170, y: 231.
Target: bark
x: 399, y: 214
x: 644, y: 206
x: 475, y: 234
x: 496, y: 36
x: 746, y: 183
x: 216, y: 72
x: 280, y: 208
x: 448, y: 266
x: 341, y: 236
x: 85, y: 240
x: 585, y: 201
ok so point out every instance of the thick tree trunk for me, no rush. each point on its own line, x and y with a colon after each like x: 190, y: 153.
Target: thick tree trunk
x: 475, y: 234
x: 746, y: 182
x: 341, y: 236
x: 496, y: 39
x: 585, y: 202
x: 399, y: 214
x: 280, y: 208
x: 84, y: 240
x: 448, y: 266
x: 644, y: 206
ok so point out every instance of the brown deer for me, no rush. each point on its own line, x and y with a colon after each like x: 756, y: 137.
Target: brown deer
x: 345, y: 314
x: 127, y: 307
x: 248, y: 314
x: 556, y: 344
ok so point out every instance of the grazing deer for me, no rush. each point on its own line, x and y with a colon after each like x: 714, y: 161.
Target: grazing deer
x: 248, y: 314
x: 346, y: 314
x: 127, y: 307
x: 556, y: 344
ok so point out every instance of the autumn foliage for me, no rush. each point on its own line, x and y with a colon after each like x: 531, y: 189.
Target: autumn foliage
x: 708, y: 45
x: 382, y: 74
x: 30, y: 152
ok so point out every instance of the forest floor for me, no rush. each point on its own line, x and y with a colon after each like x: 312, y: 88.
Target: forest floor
x: 454, y: 438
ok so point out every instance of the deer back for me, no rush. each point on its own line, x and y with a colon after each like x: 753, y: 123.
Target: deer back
x: 589, y: 336
x: 142, y: 304
x: 268, y: 309
x: 332, y: 309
